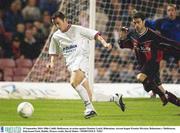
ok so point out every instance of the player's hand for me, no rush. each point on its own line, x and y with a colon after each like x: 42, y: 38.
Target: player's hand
x: 123, y: 33
x: 108, y: 46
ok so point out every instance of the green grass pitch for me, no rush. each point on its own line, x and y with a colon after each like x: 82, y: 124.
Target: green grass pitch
x: 139, y: 112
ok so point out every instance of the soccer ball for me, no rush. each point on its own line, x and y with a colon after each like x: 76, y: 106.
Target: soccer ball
x: 25, y: 109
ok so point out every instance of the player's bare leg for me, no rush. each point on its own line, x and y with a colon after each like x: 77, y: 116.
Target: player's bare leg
x: 162, y: 89
x: 76, y: 80
x: 171, y: 97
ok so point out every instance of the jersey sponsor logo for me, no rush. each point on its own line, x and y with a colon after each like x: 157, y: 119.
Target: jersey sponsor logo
x: 145, y: 47
x: 69, y: 49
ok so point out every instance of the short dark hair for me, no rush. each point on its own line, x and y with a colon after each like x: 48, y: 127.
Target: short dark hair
x: 58, y: 14
x: 139, y: 15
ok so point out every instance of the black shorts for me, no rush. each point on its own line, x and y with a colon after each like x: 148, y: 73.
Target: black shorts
x: 152, y: 71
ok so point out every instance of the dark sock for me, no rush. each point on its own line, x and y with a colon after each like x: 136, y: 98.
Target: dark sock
x: 173, y: 99
x: 161, y: 95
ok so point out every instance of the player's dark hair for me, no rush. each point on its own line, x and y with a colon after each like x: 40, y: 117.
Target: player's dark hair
x: 139, y: 15
x: 58, y: 14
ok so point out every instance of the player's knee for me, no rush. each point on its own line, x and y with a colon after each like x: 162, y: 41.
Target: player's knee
x: 141, y: 77
x: 74, y: 84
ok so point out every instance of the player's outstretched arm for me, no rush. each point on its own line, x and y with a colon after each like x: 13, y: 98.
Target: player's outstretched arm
x: 50, y: 65
x: 103, y: 42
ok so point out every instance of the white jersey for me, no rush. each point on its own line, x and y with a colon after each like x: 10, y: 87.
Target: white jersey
x: 73, y: 43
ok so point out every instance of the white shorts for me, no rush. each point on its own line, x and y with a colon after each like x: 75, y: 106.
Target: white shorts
x: 80, y: 62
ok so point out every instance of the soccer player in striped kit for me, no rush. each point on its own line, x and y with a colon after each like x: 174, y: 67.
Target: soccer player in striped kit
x: 149, y: 47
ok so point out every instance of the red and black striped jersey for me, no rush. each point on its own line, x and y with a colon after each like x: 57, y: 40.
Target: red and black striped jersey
x: 150, y: 46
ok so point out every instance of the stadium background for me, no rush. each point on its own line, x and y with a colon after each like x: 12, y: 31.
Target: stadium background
x: 25, y: 28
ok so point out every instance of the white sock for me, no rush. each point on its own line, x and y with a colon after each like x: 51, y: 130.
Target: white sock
x: 84, y: 96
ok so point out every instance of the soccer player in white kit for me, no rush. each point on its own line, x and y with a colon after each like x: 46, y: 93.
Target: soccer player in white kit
x: 73, y: 42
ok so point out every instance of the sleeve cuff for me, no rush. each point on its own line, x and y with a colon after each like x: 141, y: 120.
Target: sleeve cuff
x: 98, y: 33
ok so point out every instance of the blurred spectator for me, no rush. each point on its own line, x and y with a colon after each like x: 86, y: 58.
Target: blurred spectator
x: 5, y: 38
x: 101, y: 23
x: 128, y: 73
x: 125, y: 56
x: 2, y: 29
x: 176, y: 73
x: 18, y: 4
x: 16, y: 48
x: 38, y: 33
x: 83, y: 18
x: 164, y: 72
x: 127, y: 15
x: 20, y: 29
x: 1, y: 51
x: 114, y: 56
x: 28, y: 25
x: 101, y: 74
x: 175, y: 76
x: 46, y: 23
x: 178, y: 70
x: 1, y: 75
x: 4, y: 4
x: 116, y: 5
x: 30, y: 48
x: 114, y: 73
x: 49, y: 5
x: 13, y: 16
x: 5, y: 50
x: 31, y: 12
x: 169, y: 26
x: 116, y: 35
x: 160, y: 12
x: 114, y: 9
x: 178, y: 65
